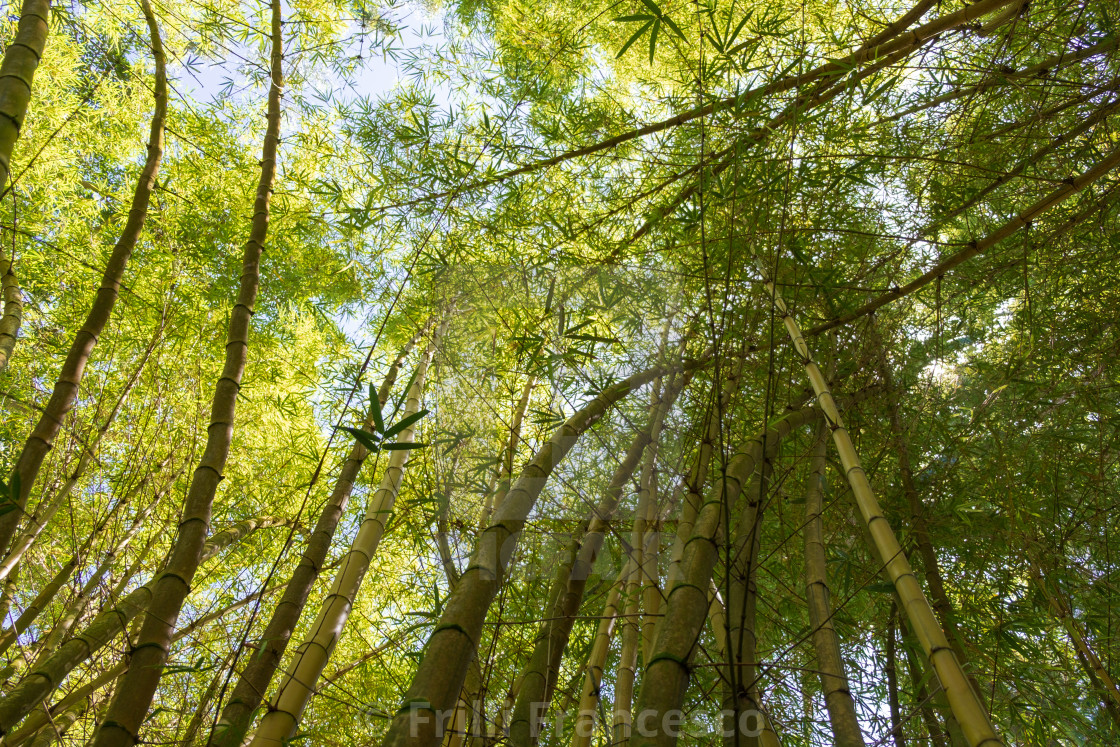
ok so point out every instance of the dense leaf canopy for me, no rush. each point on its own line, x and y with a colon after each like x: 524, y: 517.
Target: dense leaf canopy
x: 556, y: 286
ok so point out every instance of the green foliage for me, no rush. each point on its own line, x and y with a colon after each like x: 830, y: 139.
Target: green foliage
x: 507, y: 169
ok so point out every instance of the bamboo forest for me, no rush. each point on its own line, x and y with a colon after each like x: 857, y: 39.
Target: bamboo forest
x: 623, y: 373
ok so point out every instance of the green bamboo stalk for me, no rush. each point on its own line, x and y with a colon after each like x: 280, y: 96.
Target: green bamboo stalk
x: 439, y: 678
x: 1006, y: 76
x: 17, y: 71
x: 255, y: 678
x: 495, y: 497
x: 964, y: 702
x: 11, y: 316
x: 838, y: 700
x: 39, y: 717
x: 698, y: 474
x: 741, y: 690
x: 53, y: 732
x: 302, y: 675
x: 686, y: 611
x: 1094, y: 667
x: 667, y: 671
x: 539, y: 677
x: 41, y: 440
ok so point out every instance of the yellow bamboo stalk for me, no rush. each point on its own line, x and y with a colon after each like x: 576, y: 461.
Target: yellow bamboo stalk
x: 963, y: 700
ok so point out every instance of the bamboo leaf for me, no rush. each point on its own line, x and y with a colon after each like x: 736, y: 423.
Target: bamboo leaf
x: 637, y: 35
x: 365, y: 438
x: 405, y: 423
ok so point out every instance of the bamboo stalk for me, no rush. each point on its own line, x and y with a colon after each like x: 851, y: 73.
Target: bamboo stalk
x: 1089, y: 659
x: 17, y: 71
x: 626, y: 672
x: 38, y: 717
x: 838, y: 700
x: 890, y: 40
x: 133, y: 698
x: 741, y: 690
x: 302, y: 675
x: 451, y: 646
x: 964, y: 702
x: 667, y: 672
x: 891, y: 669
x: 62, y: 398
x: 495, y: 497
x: 584, y: 726
x: 11, y: 316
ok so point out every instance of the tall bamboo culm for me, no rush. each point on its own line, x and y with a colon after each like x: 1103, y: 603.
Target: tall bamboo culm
x: 451, y: 646
x: 137, y: 688
x: 838, y: 701
x: 584, y: 727
x: 964, y: 701
x: 667, y: 673
x: 298, y: 683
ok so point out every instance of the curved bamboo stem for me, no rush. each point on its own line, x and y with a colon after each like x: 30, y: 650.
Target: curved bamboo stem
x: 741, y: 691
x: 890, y: 40
x: 1088, y: 657
x: 451, y: 646
x: 539, y: 677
